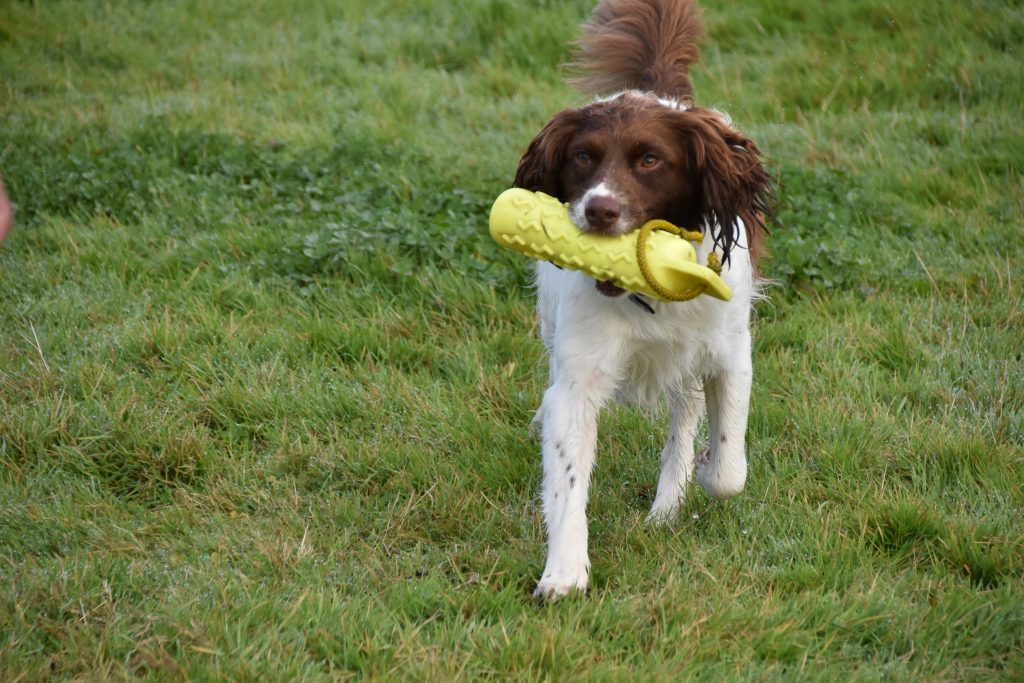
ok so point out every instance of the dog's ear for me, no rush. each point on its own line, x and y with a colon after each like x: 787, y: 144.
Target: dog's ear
x: 732, y: 181
x: 541, y: 164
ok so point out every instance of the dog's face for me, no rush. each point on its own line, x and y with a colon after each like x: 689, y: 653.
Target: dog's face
x: 622, y: 162
x: 620, y: 171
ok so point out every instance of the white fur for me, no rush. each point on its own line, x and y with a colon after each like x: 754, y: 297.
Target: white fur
x: 601, y: 348
x: 669, y: 102
x: 578, y: 208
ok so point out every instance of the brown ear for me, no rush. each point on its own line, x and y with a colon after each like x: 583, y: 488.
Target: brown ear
x: 539, y: 168
x: 733, y: 183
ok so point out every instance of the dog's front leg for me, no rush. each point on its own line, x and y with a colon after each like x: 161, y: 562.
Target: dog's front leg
x: 569, y: 436
x: 727, y: 392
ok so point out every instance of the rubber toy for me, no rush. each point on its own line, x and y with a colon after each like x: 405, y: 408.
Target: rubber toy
x: 657, y: 260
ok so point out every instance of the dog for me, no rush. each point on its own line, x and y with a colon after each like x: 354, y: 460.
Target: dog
x: 638, y: 152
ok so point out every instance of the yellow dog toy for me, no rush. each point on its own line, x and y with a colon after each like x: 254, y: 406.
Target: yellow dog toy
x: 656, y: 260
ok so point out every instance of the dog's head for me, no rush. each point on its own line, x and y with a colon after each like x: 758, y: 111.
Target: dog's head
x: 623, y: 161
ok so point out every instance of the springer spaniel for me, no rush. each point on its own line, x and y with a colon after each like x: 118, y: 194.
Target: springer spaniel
x: 627, y: 158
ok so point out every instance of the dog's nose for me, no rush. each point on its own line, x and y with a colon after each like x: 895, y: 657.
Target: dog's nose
x: 602, y: 211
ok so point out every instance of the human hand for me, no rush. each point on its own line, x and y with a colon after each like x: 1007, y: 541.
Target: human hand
x: 6, y: 212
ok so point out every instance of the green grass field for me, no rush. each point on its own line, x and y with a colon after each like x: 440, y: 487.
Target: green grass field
x: 265, y: 383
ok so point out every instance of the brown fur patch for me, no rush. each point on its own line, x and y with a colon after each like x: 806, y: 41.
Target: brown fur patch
x: 639, y: 44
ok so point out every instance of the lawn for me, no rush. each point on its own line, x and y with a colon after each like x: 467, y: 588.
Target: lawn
x: 265, y: 383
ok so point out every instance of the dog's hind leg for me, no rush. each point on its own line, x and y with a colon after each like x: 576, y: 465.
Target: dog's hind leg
x: 728, y: 399
x: 677, y: 460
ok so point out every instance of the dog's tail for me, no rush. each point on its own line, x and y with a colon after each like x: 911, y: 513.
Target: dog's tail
x: 639, y: 44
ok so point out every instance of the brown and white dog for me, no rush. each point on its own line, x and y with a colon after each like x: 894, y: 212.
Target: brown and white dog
x: 641, y: 151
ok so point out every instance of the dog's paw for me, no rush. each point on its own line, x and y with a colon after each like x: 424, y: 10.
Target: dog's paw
x: 721, y: 479
x: 700, y: 461
x: 663, y: 511
x: 558, y: 584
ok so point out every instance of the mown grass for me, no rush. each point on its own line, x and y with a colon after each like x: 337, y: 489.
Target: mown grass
x: 265, y: 384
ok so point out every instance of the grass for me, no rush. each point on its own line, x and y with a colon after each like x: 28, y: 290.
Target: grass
x: 265, y: 384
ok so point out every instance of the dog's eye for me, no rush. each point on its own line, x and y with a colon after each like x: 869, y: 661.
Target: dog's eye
x: 649, y: 160
x: 582, y: 158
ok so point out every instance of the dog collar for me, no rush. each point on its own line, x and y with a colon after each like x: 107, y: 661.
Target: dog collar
x: 642, y: 303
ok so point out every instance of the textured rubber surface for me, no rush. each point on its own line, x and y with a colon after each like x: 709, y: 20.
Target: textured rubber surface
x: 538, y: 225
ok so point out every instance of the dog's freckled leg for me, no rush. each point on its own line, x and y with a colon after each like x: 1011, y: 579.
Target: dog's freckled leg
x: 569, y: 445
